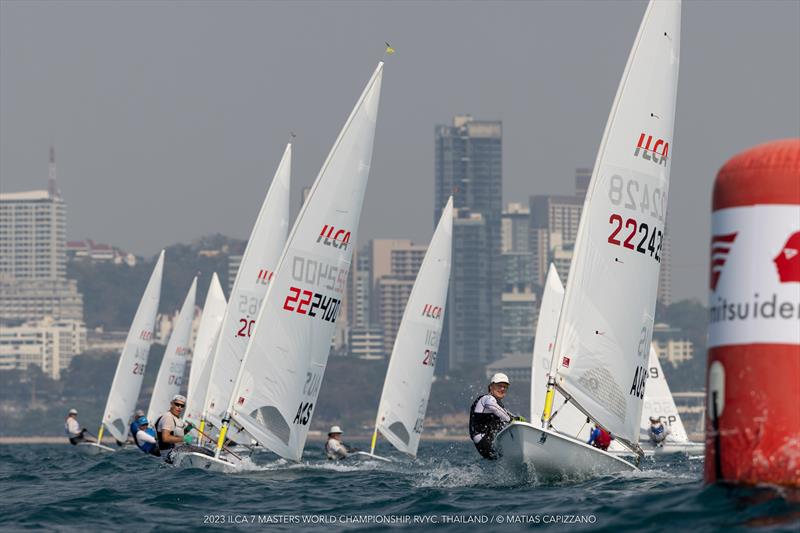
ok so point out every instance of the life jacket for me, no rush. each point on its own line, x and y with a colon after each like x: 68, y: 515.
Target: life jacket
x: 161, y: 444
x: 134, y: 428
x: 147, y: 447
x: 603, y: 439
x: 658, y: 433
x: 484, y: 423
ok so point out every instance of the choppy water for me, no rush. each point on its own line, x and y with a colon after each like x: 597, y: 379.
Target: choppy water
x: 447, y: 488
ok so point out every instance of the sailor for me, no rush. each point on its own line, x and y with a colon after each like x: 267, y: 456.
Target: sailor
x: 335, y: 449
x: 135, y: 424
x: 145, y: 437
x: 600, y: 438
x: 73, y: 428
x: 657, y: 432
x: 488, y: 416
x: 171, y: 429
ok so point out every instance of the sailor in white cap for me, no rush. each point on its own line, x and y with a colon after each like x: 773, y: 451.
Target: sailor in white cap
x: 335, y: 449
x: 488, y: 416
x: 75, y: 433
x: 171, y: 428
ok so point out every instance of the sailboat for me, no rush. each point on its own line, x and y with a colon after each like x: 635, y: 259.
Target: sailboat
x: 569, y: 420
x: 207, y: 335
x: 173, y: 366
x: 602, y: 343
x: 128, y: 377
x: 276, y: 389
x: 658, y: 402
x: 256, y: 270
x: 407, y: 387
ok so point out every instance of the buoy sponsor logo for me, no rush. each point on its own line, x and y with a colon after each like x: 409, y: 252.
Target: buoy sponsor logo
x: 330, y: 236
x: 788, y: 260
x: 652, y: 149
x: 720, y: 248
x: 754, y: 295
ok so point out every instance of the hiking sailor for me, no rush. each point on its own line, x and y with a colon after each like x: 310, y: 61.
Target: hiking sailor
x: 657, y: 432
x: 171, y: 429
x: 488, y: 416
x: 145, y: 437
x: 335, y: 449
x: 73, y: 428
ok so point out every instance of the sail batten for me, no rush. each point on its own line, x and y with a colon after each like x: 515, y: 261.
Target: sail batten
x: 605, y: 329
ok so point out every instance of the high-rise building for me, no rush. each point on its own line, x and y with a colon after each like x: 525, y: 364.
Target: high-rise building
x: 49, y: 344
x: 469, y: 167
x: 520, y: 312
x: 33, y: 236
x: 515, y: 227
x: 556, y: 217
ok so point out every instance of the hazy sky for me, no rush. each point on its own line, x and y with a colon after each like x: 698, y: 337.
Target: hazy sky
x: 169, y: 118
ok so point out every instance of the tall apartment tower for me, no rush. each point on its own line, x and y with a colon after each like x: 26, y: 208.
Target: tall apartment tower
x: 33, y: 256
x: 469, y: 167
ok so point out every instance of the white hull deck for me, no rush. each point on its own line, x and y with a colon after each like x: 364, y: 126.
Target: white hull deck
x: 93, y: 448
x: 691, y: 449
x: 521, y: 445
x: 187, y: 459
x: 366, y: 456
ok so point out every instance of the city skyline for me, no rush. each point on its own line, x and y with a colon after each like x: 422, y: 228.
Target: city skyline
x: 146, y: 120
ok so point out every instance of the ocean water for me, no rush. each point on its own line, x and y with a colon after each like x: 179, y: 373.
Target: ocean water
x: 448, y: 488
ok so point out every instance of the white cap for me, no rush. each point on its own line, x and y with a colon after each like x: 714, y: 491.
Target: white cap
x: 335, y: 429
x: 499, y: 378
x: 179, y: 398
x: 72, y: 411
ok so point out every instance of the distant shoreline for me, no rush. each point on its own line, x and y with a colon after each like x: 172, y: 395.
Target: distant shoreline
x: 52, y: 439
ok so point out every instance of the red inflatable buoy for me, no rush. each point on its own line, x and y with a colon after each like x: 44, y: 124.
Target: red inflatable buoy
x: 753, y: 373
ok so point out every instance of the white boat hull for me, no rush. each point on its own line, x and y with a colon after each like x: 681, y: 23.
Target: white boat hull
x: 93, y: 448
x: 203, y: 462
x: 366, y: 456
x: 520, y: 445
x: 687, y: 448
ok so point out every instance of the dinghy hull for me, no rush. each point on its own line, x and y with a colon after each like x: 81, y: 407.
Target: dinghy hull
x: 93, y: 448
x: 691, y: 449
x: 521, y: 445
x: 202, y: 461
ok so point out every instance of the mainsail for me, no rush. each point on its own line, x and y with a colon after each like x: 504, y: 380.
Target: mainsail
x: 128, y: 377
x: 173, y: 365
x: 284, y: 364
x: 602, y: 344
x: 256, y: 271
x: 407, y: 387
x: 207, y: 335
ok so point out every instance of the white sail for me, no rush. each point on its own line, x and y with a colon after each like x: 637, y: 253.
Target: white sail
x: 128, y: 377
x: 285, y: 361
x: 207, y: 335
x: 173, y: 365
x: 606, y: 325
x: 256, y: 270
x: 568, y: 419
x: 407, y: 387
x: 658, y: 402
